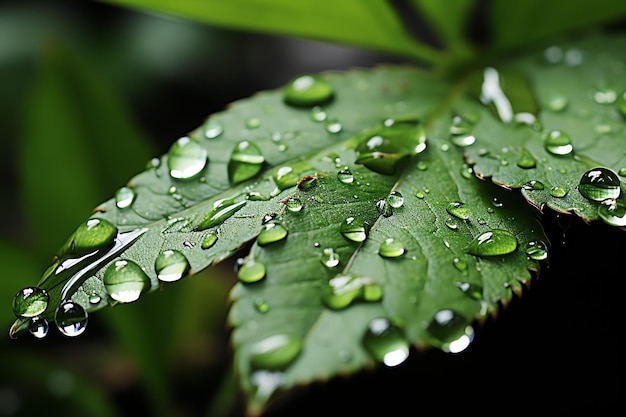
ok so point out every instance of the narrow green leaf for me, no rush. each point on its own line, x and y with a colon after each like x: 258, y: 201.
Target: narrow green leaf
x: 451, y: 23
x: 365, y: 24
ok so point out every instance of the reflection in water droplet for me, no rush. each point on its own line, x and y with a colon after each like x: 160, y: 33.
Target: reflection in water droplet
x: 459, y: 210
x: 209, y: 240
x: 353, y: 228
x: 124, y: 197
x: 318, y: 114
x: 459, y: 264
x: 526, y: 160
x: 222, y: 210
x: 395, y: 199
x: 94, y: 297
x: 599, y: 184
x: 308, y: 90
x: 38, y: 327
x: 537, y: 250
x: 462, y: 130
x: 451, y: 330
x: 71, y: 319
x: 558, y: 142
x: 30, y: 302
x: 251, y: 271
x: 213, y: 129
x: 246, y: 160
x: 125, y: 281
x: 533, y: 185
x: 613, y: 213
x: 345, y: 176
x: 493, y: 243
x: 385, y: 342
x: 271, y: 233
x: 391, y: 248
x: 558, y: 192
x: 275, y: 352
x: 343, y: 290
x: 294, y: 204
x: 171, y: 265
x: 186, y: 158
x: 94, y: 234
x: 329, y: 258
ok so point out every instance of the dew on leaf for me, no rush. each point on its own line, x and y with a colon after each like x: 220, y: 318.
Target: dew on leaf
x: 557, y: 103
x: 271, y: 233
x: 451, y: 224
x: 288, y: 176
x: 459, y: 264
x: 458, y: 209
x: 38, y: 327
x: 466, y: 171
x: 496, y: 202
x: 71, y: 319
x: 124, y: 197
x: 94, y: 297
x: 92, y: 235
x: 171, y: 265
x: 599, y: 184
x: 308, y: 91
x: 345, y: 176
x: 125, y: 281
x: 222, y: 210
x: 246, y: 160
x: 343, y: 290
x: 317, y: 114
x: 275, y: 352
x: 558, y: 142
x: 353, y: 228
x: 395, y: 199
x: 533, y: 185
x: 605, y: 96
x: 330, y: 258
x: 213, y: 129
x: 558, y: 192
x: 384, y: 207
x: 391, y: 248
x: 493, y: 243
x: 251, y: 271
x: 261, y: 305
x: 472, y: 290
x: 385, y: 342
x: 208, y: 240
x: 613, y: 214
x: 451, y: 330
x: 422, y: 166
x: 526, y: 160
x: 294, y: 204
x: 537, y: 250
x: 30, y: 302
x: 332, y: 125
x: 186, y: 158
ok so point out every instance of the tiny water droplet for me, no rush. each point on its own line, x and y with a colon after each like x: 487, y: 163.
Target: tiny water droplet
x: 261, y: 305
x: 467, y: 171
x: 605, y: 96
x: 246, y: 160
x: 599, y: 184
x: 385, y: 342
x: 353, y: 228
x: 124, y: 197
x: 186, y: 159
x: 493, y: 243
x: 459, y: 264
x: 533, y: 185
x: 125, y: 281
x: 209, y: 240
x: 71, y: 319
x: 318, y: 114
x: 222, y: 210
x: 343, y: 290
x: 395, y: 199
x: 558, y: 192
x: 537, y: 250
x: 496, y: 202
x: 333, y: 125
x: 451, y: 330
x: 422, y: 166
x: 451, y: 224
x: 459, y: 210
x: 38, y: 327
x: 474, y: 291
x: 275, y: 352
x: 526, y: 160
x: 30, y: 302
x: 94, y: 297
x: 558, y: 142
x: 271, y: 233
x: 252, y: 123
x: 213, y: 129
x: 329, y: 258
x: 171, y: 265
x: 557, y: 103
x: 462, y: 130
x: 345, y: 176
x: 391, y: 248
x: 251, y: 271
x: 308, y: 90
x: 294, y: 204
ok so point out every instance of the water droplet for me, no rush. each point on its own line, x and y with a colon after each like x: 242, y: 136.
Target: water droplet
x: 94, y: 297
x: 385, y: 148
x: 395, y: 199
x: 343, y: 290
x: 391, y: 248
x: 474, y: 291
x: 537, y: 250
x: 125, y: 281
x: 613, y: 213
x: 329, y: 258
x: 71, y: 319
x: 558, y: 192
x: 496, y: 202
x: 533, y: 185
x: 459, y: 210
x: 451, y: 224
x: 251, y: 271
x: 553, y: 54
x: 599, y: 184
x: 275, y: 352
x: 294, y: 204
x: 213, y: 129
x: 345, y: 176
x: 462, y: 130
x: 272, y: 232
x: 526, y: 160
x: 246, y: 160
x: 124, y: 197
x: 467, y: 171
x: 308, y: 91
x: 209, y: 240
x: 557, y: 103
x: 333, y: 125
x: 318, y: 115
x: 288, y: 176
x: 38, y: 327
x: 252, y: 123
x: 558, y: 142
x: 222, y: 210
x: 605, y: 96
x: 186, y: 158
x: 94, y: 234
x: 459, y: 264
x: 385, y: 342
x: 451, y: 330
x: 422, y: 166
x: 493, y: 243
x: 30, y: 302
x: 353, y: 228
x: 261, y: 305
x: 171, y: 265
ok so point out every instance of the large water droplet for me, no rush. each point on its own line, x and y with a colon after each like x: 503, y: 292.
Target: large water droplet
x: 395, y: 199
x: 343, y: 290
x: 275, y: 352
x: 353, y: 228
x: 38, y: 327
x: 30, y: 302
x: 222, y: 210
x: 271, y: 233
x: 493, y: 243
x: 71, y: 319
x: 251, y: 271
x: 209, y: 240
x: 124, y: 197
x: 186, y: 158
x: 599, y: 184
x: 385, y: 148
x: 451, y: 330
x: 245, y: 162
x: 537, y: 250
x: 458, y: 209
x: 391, y: 248
x: 125, y: 281
x: 558, y: 142
x: 385, y: 342
x: 92, y: 235
x: 171, y: 265
x: 345, y: 176
x: 308, y: 91
x: 613, y: 213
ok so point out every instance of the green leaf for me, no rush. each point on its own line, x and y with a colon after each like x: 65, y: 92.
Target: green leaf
x: 370, y: 24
